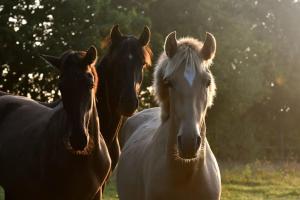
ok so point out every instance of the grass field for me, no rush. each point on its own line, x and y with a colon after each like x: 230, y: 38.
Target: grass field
x: 257, y: 181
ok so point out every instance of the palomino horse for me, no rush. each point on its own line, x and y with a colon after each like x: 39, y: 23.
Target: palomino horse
x: 55, y: 153
x: 120, y: 76
x: 167, y: 155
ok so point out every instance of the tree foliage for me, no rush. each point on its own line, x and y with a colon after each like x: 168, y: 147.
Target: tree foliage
x: 256, y: 111
x: 29, y: 28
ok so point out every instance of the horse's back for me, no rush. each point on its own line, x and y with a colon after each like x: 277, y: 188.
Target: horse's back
x: 21, y: 117
x: 20, y: 111
x: 9, y: 99
x: 213, y: 176
x: 3, y: 93
x: 138, y: 131
x: 22, y: 122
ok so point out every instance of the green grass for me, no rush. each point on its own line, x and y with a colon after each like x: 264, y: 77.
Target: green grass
x: 1, y: 194
x: 261, y: 181
x: 256, y: 181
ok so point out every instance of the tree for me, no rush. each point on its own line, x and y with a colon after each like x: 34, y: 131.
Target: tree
x: 29, y: 28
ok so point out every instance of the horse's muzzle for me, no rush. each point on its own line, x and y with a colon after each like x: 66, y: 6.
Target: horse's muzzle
x: 188, y: 146
x: 78, y: 141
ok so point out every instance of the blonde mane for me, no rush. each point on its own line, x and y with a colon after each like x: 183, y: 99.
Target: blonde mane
x: 188, y: 55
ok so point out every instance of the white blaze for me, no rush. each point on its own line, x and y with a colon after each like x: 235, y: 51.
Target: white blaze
x: 190, y: 71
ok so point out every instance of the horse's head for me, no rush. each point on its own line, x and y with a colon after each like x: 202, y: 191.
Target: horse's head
x: 185, y: 89
x: 78, y: 81
x: 126, y: 59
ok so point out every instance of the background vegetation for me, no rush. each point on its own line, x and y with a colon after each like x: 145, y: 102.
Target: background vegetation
x: 255, y: 181
x: 256, y: 113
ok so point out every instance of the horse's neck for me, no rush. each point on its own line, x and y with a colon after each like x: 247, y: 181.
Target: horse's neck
x: 59, y: 118
x: 109, y: 117
x: 57, y: 132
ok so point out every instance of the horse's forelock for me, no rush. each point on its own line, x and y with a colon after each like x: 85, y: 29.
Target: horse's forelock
x: 131, y: 40
x: 92, y: 67
x: 76, y: 56
x: 66, y: 55
x: 189, y: 49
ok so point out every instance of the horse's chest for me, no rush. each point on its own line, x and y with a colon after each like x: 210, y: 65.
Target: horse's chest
x: 72, y: 183
x: 184, y: 192
x: 76, y: 177
x: 194, y: 189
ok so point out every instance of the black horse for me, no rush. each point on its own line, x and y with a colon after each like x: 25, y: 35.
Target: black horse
x: 55, y: 153
x: 120, y: 76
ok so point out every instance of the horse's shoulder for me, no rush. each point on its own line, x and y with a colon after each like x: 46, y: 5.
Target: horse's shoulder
x: 11, y: 102
x: 213, y: 171
x: 211, y: 157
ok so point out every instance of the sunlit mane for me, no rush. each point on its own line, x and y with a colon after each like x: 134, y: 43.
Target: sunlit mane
x: 188, y: 55
x: 146, y: 50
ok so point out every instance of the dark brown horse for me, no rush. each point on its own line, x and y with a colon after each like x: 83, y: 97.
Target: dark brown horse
x: 50, y: 105
x: 55, y: 153
x: 3, y: 93
x: 120, y: 76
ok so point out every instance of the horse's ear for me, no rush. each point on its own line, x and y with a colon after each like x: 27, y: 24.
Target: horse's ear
x: 145, y: 36
x: 52, y: 60
x: 209, y: 47
x: 115, y: 33
x: 91, y: 55
x: 171, y: 44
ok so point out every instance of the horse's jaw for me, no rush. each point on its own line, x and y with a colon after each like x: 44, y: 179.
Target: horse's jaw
x: 80, y: 137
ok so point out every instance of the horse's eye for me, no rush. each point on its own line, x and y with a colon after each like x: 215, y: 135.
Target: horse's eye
x: 90, y: 76
x: 208, y: 82
x: 168, y: 83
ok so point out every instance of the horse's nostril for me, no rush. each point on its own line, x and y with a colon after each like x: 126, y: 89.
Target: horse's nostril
x: 179, y: 141
x: 78, y: 142
x: 198, y: 141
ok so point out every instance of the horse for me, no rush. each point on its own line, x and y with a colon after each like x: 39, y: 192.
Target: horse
x: 48, y: 104
x: 167, y: 155
x: 120, y: 77
x: 55, y: 153
x: 3, y: 93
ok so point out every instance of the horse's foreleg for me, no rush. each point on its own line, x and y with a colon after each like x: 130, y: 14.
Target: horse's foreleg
x: 114, y: 152
x: 98, y: 195
x: 8, y: 196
